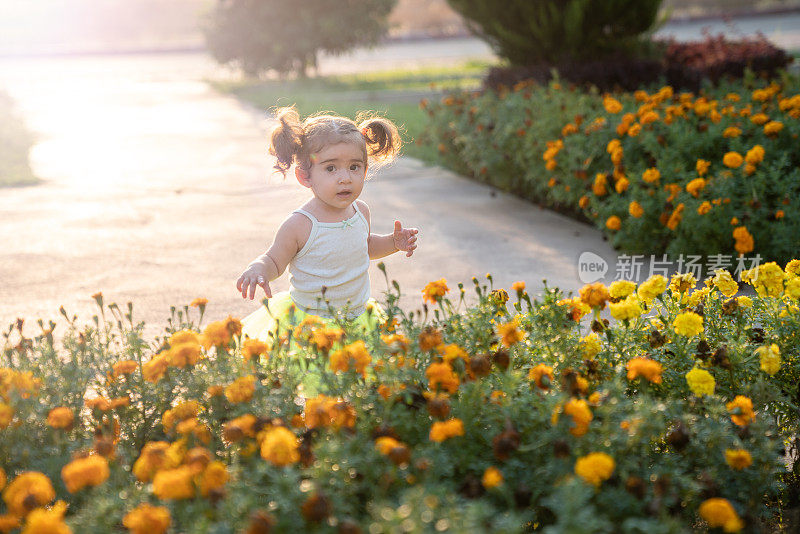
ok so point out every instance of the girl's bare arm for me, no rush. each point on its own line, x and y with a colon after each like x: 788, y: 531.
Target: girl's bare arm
x: 273, y: 262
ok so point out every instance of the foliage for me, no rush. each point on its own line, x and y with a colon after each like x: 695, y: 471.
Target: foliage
x: 15, y: 144
x: 550, y: 31
x: 504, y: 416
x: 262, y: 35
x: 587, y: 154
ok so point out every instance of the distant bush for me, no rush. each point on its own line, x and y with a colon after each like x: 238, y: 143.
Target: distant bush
x: 702, y: 174
x: 15, y: 144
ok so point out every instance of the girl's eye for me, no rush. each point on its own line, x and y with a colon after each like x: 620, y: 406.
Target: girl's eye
x: 355, y: 167
x: 330, y: 168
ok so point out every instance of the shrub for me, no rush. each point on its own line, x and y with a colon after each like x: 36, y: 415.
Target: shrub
x: 494, y: 418
x: 549, y: 31
x: 556, y: 147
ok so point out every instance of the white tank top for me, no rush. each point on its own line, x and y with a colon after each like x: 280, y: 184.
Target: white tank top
x: 336, y: 256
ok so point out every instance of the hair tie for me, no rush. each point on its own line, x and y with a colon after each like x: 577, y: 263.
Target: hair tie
x: 364, y: 131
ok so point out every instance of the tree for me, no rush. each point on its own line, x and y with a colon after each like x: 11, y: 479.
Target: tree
x: 259, y: 35
x: 528, y: 32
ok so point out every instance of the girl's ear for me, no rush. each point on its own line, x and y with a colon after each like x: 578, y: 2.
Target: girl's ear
x: 302, y: 176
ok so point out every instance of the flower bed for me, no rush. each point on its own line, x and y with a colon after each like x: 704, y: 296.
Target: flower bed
x: 660, y: 172
x: 504, y: 416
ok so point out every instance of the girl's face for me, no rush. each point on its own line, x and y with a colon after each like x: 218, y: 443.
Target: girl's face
x: 336, y: 176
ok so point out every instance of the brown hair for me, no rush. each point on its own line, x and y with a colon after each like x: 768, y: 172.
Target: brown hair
x: 293, y: 141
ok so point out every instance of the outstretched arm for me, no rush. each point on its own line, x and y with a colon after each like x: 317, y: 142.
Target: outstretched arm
x: 273, y: 262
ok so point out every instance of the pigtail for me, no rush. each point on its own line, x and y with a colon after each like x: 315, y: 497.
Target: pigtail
x: 286, y: 139
x: 382, y: 138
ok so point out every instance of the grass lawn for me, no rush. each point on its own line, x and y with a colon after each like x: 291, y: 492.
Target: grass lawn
x: 15, y: 142
x: 394, y: 94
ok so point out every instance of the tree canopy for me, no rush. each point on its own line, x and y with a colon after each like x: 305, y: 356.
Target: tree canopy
x: 285, y: 36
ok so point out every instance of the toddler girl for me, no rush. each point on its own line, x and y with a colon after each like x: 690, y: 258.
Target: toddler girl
x: 326, y: 243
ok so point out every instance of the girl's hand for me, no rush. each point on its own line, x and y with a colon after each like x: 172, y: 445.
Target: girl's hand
x: 251, y: 278
x: 405, y: 239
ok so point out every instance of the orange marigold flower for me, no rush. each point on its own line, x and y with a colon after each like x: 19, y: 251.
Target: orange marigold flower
x: 280, y: 446
x: 199, y: 302
x: 153, y: 370
x: 252, y: 348
x: 595, y: 295
x: 738, y: 459
x: 635, y: 209
x: 435, y: 291
x: 429, y: 338
x: 177, y: 483
x: 216, y: 334
x: 581, y: 416
x: 718, y: 512
x: 353, y: 356
x: 702, y: 166
x: 614, y: 223
x: 147, y: 519
x: 27, y: 491
x: 61, y: 417
x: 612, y: 105
x: 744, y: 240
x: 441, y: 375
x: 124, y: 367
x: 704, y: 208
x: 733, y: 160
x: 646, y: 368
x: 509, y: 332
x: 444, y: 430
x: 695, y: 186
x: 89, y: 471
x: 241, y: 390
x: 773, y: 128
x: 542, y: 375
x: 492, y: 478
x: 741, y: 410
x: 595, y: 467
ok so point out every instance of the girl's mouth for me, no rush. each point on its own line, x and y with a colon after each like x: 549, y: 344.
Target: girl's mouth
x: 343, y: 194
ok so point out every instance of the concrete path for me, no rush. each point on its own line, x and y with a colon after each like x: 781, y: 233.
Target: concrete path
x: 158, y: 190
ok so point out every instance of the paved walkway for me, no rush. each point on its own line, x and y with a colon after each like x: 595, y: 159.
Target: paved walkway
x: 158, y: 190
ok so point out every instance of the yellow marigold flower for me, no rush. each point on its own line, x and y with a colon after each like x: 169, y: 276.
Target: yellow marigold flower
x: 385, y: 444
x: 153, y: 370
x: 741, y: 410
x: 704, y: 207
x: 793, y: 288
x: 619, y: 289
x: 718, y: 512
x: 700, y: 381
x: 216, y: 334
x: 793, y: 268
x: 613, y: 145
x: 441, y: 376
x: 252, y: 348
x: 542, y: 375
x: 628, y: 308
x: 581, y: 416
x: 124, y: 367
x: 649, y: 117
x: 676, y: 216
x: 651, y: 288
x: 759, y: 119
x: 773, y: 128
x: 738, y: 459
x: 614, y: 223
x: 28, y: 490
x: 702, y: 166
x: 725, y: 283
x: 622, y: 185
x: 695, y: 297
x: 519, y: 287
x: 731, y: 131
x: 770, y: 358
x: 688, y: 324
x: 280, y: 446
x: 214, y: 477
x: 443, y: 430
x: 591, y: 345
x: 435, y: 291
x: 595, y: 295
x: 634, y: 130
x: 744, y: 240
x: 354, y: 355
x: 767, y: 279
x: 682, y: 282
x: 646, y: 368
x: 47, y: 521
x: 595, y: 467
x: 612, y: 105
x: 175, y: 483
x: 241, y: 390
x: 733, y: 160
x: 61, y: 417
x: 509, y: 332
x: 147, y: 519
x: 635, y: 209
x: 89, y: 471
x: 492, y: 478
x: 617, y: 155
x: 744, y: 301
